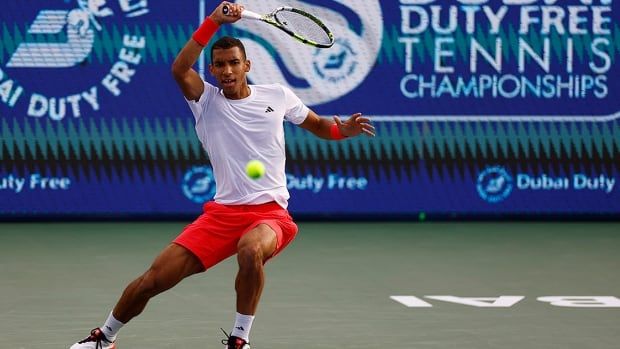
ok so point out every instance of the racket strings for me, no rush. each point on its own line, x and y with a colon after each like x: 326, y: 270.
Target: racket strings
x: 303, y: 26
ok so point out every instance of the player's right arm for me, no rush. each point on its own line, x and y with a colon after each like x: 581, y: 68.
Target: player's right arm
x: 189, y: 80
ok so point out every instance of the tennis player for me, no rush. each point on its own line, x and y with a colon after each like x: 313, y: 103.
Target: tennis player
x: 235, y: 123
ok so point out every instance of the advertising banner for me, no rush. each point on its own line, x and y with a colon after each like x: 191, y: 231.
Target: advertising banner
x: 482, y: 107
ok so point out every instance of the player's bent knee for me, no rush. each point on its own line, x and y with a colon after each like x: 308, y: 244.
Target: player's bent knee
x: 250, y: 256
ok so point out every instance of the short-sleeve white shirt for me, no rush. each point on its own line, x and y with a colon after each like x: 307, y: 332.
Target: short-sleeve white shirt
x: 234, y: 132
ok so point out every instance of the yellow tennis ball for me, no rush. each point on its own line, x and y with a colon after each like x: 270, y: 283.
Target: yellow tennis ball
x: 255, y: 169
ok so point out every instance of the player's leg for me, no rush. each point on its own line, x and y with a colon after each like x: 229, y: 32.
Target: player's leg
x: 171, y: 266
x: 263, y: 241
x: 253, y: 250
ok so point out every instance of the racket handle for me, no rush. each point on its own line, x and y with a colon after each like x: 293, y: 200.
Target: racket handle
x: 244, y: 14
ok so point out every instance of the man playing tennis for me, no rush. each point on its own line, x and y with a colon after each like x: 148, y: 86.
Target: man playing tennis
x: 235, y: 123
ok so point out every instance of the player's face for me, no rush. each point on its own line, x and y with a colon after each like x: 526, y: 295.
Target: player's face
x: 229, y: 67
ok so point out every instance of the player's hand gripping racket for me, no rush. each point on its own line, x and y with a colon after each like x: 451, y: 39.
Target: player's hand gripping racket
x: 297, y: 23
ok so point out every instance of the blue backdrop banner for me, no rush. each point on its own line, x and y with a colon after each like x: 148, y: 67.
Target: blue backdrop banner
x: 482, y: 108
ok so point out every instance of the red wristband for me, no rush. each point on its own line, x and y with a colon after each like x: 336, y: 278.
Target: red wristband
x: 334, y: 131
x: 203, y: 34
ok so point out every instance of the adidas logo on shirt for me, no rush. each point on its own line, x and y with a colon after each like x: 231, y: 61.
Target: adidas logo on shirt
x: 268, y: 110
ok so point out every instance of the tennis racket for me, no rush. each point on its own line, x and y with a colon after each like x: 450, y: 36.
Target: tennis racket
x: 297, y: 23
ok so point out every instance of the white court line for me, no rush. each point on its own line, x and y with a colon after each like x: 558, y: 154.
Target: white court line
x: 495, y: 118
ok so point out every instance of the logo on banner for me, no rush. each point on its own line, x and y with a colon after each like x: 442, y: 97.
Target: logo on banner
x: 318, y: 75
x: 334, y: 67
x: 508, y: 50
x: 494, y: 184
x: 64, y: 38
x: 199, y: 184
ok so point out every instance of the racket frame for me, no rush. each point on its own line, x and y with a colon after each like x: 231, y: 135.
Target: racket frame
x: 272, y: 19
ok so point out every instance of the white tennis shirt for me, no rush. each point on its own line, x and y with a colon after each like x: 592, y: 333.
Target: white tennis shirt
x: 234, y: 132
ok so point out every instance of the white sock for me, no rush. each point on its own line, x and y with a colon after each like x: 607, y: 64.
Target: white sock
x: 111, y: 327
x: 243, y: 324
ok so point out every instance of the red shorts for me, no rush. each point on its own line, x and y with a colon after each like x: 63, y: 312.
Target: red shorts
x: 214, y: 235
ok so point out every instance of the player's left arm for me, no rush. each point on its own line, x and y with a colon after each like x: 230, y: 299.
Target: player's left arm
x: 328, y: 129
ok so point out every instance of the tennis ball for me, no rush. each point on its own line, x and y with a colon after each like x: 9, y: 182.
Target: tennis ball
x: 255, y: 169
